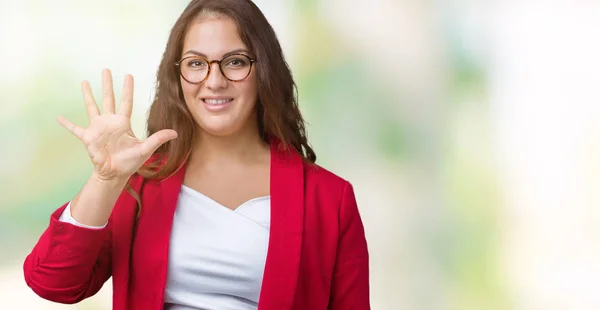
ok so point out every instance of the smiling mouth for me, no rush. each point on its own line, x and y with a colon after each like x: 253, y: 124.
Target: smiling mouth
x: 217, y: 101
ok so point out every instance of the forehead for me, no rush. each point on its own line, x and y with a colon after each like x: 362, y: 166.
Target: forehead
x: 213, y: 37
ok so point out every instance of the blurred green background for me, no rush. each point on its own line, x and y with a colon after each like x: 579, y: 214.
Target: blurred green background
x: 469, y: 130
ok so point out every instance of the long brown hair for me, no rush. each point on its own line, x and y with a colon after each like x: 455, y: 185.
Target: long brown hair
x: 277, y: 109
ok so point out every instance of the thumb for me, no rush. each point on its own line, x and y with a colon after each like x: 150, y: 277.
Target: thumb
x: 156, y: 140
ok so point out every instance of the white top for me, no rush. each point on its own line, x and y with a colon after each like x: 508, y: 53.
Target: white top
x: 216, y: 255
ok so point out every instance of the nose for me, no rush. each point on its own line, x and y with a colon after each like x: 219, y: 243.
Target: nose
x: 215, y: 79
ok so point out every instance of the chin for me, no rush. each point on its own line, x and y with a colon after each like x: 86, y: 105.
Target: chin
x: 220, y: 129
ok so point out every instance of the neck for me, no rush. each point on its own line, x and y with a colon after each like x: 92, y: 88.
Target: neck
x: 242, y: 147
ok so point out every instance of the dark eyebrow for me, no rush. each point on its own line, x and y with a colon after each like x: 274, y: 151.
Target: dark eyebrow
x: 236, y: 51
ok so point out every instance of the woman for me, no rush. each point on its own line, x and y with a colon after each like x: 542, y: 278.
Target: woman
x: 222, y: 207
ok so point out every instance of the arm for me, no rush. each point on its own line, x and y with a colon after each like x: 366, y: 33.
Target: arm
x: 67, y: 217
x: 350, y: 284
x: 71, y: 262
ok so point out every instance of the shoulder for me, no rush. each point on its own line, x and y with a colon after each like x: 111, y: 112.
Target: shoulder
x: 314, y: 173
x: 326, y: 185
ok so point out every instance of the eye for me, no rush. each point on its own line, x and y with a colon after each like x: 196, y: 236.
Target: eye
x: 196, y: 63
x: 236, y: 62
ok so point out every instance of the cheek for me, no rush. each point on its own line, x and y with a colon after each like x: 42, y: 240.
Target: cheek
x: 188, y: 89
x: 190, y: 92
x: 250, y: 88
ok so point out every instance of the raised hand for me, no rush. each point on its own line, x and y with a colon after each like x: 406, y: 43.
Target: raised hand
x: 111, y: 144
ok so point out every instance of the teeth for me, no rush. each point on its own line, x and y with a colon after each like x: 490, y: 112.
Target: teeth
x: 216, y: 101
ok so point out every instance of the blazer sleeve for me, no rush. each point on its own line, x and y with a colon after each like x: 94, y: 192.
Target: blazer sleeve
x: 67, y: 218
x: 350, y: 283
x: 69, y: 263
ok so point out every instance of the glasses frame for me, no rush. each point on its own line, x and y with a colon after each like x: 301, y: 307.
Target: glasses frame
x: 218, y: 62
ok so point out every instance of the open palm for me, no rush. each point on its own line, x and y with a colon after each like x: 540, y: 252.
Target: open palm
x: 113, y: 148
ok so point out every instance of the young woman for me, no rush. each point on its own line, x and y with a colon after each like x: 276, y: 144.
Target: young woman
x: 222, y: 206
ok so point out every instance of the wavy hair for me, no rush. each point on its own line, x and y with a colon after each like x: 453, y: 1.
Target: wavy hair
x: 277, y: 110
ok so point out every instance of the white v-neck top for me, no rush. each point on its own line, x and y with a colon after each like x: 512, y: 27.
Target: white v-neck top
x: 216, y: 255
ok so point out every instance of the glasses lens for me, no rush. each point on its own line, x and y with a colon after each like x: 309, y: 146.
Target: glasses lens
x: 236, y: 67
x: 194, y: 69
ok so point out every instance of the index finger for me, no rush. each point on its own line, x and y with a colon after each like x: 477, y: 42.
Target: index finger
x: 127, y: 97
x: 90, y: 104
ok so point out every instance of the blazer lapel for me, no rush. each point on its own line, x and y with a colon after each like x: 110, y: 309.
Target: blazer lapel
x: 285, y: 241
x: 170, y: 189
x: 122, y: 225
x: 151, y: 240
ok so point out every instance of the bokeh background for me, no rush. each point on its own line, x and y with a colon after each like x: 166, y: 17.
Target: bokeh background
x: 469, y: 129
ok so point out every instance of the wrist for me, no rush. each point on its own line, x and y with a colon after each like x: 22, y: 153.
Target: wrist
x: 109, y: 183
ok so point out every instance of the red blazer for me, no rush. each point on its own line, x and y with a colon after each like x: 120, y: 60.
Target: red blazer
x: 317, y: 255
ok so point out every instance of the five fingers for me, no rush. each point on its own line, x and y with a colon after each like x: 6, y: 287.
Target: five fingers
x: 108, y: 106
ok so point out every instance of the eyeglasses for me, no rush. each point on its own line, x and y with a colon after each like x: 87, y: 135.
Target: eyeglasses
x: 196, y: 69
